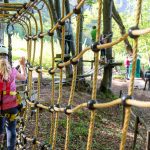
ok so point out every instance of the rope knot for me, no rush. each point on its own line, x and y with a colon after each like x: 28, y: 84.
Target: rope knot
x: 65, y: 110
x: 30, y: 67
x: 15, y: 16
x: 38, y: 69
x: 34, y: 37
x: 50, y: 71
x: 35, y: 104
x: 51, y: 109
x: 25, y: 6
x: 57, y: 105
x: 90, y: 104
x: 18, y: 12
x: 76, y: 11
x: 131, y: 34
x: 94, y: 47
x: 58, y: 65
x: 26, y: 93
x: 34, y: 141
x: 26, y: 38
x: 40, y: 35
x: 73, y: 62
x: 50, y: 33
x: 61, y: 23
x: 124, y: 98
x: 30, y: 37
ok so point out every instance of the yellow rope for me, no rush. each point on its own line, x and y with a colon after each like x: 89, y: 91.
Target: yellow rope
x: 60, y: 80
x: 67, y: 132
x: 108, y: 45
x: 96, y: 63
x: 36, y: 31
x: 66, y: 17
x: 52, y: 83
x: 34, y: 51
x: 131, y: 87
x: 39, y: 78
x: 55, y: 131
x: 136, y: 103
x: 94, y: 90
x: 73, y: 80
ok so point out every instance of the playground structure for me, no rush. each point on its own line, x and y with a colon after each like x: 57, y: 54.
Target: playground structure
x: 54, y: 107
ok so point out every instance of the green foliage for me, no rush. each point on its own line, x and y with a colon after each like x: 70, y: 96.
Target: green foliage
x: 90, y: 2
x: 90, y: 19
x: 119, y: 76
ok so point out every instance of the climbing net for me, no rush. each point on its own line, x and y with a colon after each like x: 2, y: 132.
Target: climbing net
x: 54, y: 107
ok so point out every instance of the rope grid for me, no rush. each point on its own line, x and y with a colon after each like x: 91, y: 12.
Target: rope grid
x: 55, y: 109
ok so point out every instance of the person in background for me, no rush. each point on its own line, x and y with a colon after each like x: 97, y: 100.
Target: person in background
x: 68, y: 37
x: 8, y: 101
x: 93, y: 34
x: 127, y: 64
x: 147, y: 79
x: 103, y: 50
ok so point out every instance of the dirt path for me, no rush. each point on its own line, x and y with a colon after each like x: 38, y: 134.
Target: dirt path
x: 139, y: 93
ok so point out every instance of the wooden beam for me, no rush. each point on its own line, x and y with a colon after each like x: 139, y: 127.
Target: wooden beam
x: 135, y: 131
x: 8, y: 9
x: 11, y: 5
x: 5, y: 15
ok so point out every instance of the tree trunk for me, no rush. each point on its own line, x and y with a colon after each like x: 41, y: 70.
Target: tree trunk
x: 57, y: 8
x: 9, y: 42
x: 80, y: 64
x: 55, y: 17
x: 118, y: 20
x: 107, y: 24
x: 1, y: 28
x: 10, y: 49
x: 128, y: 46
x: 1, y: 32
x: 72, y: 44
x: 82, y: 85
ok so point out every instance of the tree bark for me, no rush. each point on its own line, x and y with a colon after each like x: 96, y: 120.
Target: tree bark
x: 107, y: 24
x: 10, y: 49
x: 57, y: 8
x: 67, y: 6
x: 118, y: 20
x: 80, y: 64
x: 55, y: 17
x: 9, y: 42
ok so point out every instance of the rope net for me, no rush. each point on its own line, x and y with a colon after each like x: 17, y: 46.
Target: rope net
x: 53, y: 108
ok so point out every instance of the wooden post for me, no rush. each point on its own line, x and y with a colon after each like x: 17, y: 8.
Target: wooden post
x: 1, y: 33
x: 123, y: 115
x: 148, y: 141
x: 1, y: 27
x: 92, y: 68
x: 135, y: 131
x: 10, y: 48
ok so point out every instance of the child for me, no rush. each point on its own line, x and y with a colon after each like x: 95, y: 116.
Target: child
x: 127, y: 64
x: 8, y: 103
x: 93, y: 34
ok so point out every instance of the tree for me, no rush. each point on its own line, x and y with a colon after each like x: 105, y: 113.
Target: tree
x: 107, y: 29
x: 118, y: 20
x: 56, y: 12
x: 9, y: 42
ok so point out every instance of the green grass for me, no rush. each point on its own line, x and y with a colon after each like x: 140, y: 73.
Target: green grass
x: 119, y: 76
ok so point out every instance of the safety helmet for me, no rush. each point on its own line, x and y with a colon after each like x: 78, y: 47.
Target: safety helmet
x: 3, y: 49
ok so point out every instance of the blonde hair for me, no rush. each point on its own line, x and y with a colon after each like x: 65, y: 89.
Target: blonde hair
x: 5, y: 68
